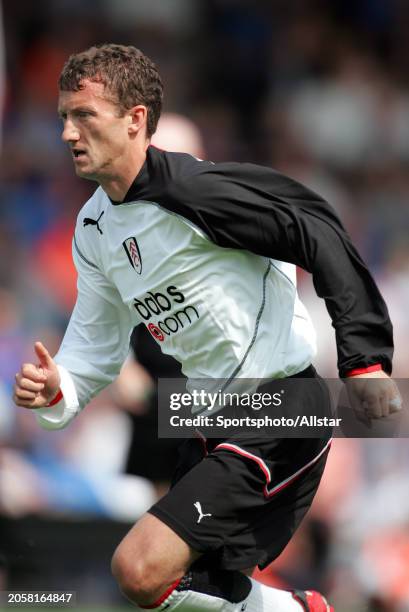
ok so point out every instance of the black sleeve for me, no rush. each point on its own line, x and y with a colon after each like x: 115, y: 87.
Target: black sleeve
x: 251, y: 207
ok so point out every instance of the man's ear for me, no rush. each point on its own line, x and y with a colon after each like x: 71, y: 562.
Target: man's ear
x: 138, y: 117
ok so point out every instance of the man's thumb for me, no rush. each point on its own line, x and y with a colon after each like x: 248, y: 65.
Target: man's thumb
x: 43, y: 355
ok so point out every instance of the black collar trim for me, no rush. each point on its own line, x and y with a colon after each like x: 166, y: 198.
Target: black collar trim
x: 140, y: 185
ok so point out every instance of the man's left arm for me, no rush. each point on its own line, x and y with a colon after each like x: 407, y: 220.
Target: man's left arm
x: 254, y: 208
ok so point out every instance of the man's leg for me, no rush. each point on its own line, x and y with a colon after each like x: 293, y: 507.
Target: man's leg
x: 153, y: 567
x: 236, y: 510
x: 150, y: 559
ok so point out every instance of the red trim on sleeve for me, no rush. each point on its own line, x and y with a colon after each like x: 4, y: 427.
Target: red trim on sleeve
x: 357, y: 371
x: 162, y: 598
x: 57, y: 398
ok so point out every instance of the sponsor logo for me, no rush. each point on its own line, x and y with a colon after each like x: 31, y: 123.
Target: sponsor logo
x: 132, y: 250
x: 156, y: 333
x: 155, y: 303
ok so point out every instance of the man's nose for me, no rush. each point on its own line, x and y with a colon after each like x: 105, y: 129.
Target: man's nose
x: 70, y: 133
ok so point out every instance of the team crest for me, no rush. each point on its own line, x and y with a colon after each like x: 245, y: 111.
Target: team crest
x: 132, y: 250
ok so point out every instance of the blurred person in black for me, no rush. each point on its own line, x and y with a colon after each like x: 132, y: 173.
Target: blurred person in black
x: 211, y: 274
x: 138, y: 394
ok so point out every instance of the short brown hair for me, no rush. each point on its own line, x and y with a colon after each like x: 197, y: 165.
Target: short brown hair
x: 126, y: 72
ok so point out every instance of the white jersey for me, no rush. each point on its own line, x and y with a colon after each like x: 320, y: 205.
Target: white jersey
x: 222, y: 312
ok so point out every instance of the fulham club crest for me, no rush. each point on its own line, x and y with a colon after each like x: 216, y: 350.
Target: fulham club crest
x: 132, y: 250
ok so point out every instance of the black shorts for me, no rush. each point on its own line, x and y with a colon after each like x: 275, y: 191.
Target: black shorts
x: 239, y: 500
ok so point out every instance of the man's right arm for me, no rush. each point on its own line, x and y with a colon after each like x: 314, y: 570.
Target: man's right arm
x: 94, y: 347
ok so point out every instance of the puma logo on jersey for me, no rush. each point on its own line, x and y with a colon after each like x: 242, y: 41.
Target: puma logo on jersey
x: 88, y: 221
x: 198, y: 507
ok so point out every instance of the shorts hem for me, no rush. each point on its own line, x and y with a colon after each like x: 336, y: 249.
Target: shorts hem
x: 180, y: 529
x: 225, y: 563
x: 241, y: 564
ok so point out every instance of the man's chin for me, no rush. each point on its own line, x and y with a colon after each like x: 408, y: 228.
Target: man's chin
x: 84, y: 173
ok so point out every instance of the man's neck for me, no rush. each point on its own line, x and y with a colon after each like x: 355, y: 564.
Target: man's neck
x: 116, y: 187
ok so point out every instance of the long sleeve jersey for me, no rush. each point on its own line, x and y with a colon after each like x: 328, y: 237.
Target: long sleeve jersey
x: 203, y: 254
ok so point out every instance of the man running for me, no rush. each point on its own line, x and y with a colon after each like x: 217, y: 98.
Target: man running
x: 204, y: 256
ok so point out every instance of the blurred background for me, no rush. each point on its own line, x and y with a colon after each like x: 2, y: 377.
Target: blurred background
x: 320, y: 91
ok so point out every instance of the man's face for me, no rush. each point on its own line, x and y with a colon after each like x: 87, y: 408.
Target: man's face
x: 97, y: 136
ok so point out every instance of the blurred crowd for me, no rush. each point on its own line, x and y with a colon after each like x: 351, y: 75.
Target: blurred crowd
x: 319, y: 90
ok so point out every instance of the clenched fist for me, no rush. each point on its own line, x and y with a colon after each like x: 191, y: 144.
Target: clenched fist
x: 373, y: 395
x: 37, y: 385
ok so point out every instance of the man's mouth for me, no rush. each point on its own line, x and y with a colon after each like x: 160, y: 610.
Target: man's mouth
x: 78, y: 153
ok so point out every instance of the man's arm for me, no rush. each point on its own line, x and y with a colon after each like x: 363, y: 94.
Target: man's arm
x: 251, y: 207
x: 94, y: 347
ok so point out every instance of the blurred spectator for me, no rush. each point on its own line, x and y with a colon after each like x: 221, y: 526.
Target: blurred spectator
x: 177, y: 16
x: 75, y: 471
x: 178, y: 133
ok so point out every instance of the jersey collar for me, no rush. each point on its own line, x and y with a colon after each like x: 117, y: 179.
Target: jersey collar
x: 143, y: 181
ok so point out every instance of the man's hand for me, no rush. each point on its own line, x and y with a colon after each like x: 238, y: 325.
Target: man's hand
x: 37, y: 385
x: 373, y: 395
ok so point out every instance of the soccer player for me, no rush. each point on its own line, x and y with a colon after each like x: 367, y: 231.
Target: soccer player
x: 204, y: 256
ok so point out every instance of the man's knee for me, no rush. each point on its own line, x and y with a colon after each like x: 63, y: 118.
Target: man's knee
x: 199, y: 590
x: 149, y: 560
x: 136, y: 577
